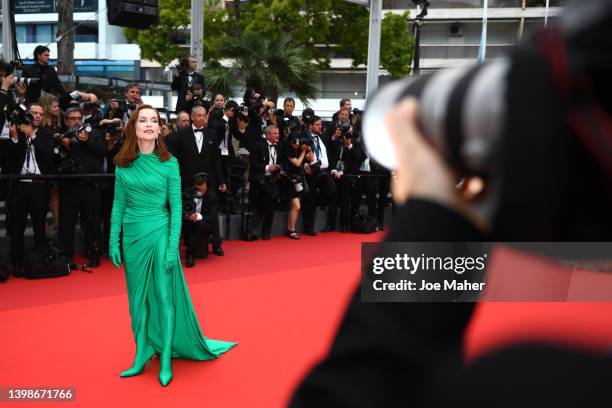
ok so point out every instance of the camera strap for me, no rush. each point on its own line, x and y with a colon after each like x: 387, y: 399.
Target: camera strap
x: 586, y: 116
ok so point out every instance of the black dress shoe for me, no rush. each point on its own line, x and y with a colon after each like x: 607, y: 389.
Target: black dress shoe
x: 328, y: 228
x: 189, y: 262
x: 94, y: 262
x: 380, y: 227
x: 344, y: 229
x: 217, y: 250
x: 17, y: 270
x: 310, y: 232
x: 265, y: 237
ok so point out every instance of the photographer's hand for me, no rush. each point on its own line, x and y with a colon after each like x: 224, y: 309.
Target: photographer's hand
x: 223, y: 188
x: 66, y: 142
x: 193, y: 217
x: 27, y: 130
x: 14, y: 134
x: 337, y: 134
x: 83, y: 136
x: 421, y: 171
x: 188, y: 97
x: 7, y: 82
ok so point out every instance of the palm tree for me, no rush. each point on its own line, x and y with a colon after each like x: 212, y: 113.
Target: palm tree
x: 269, y: 65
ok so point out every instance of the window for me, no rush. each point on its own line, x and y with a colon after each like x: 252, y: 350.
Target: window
x: 36, y: 33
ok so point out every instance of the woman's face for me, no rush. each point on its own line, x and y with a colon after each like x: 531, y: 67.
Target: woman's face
x: 147, y: 125
x: 54, y: 109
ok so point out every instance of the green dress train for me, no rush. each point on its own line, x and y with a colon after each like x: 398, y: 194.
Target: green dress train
x: 162, y: 315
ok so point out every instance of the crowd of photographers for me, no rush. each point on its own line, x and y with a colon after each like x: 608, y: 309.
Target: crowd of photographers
x: 248, y: 158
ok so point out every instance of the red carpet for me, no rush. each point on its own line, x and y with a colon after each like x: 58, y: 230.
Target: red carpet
x: 280, y: 299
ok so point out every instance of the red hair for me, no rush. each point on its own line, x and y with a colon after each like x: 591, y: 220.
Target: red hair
x: 129, y: 150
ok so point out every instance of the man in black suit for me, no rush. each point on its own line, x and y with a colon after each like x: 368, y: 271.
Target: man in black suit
x: 229, y: 133
x: 48, y: 80
x: 347, y: 156
x: 29, y: 152
x: 197, y: 150
x: 318, y: 176
x: 264, y: 172
x: 186, y: 78
x: 201, y: 216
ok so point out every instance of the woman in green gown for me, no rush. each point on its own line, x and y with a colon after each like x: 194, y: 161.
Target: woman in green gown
x: 163, y: 319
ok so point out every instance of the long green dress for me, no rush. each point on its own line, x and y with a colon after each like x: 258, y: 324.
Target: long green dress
x: 163, y: 317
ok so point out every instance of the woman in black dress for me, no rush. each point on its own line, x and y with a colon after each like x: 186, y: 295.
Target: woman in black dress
x: 298, y: 153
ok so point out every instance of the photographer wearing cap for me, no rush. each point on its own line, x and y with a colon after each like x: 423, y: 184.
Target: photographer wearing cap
x: 81, y: 150
x: 318, y: 176
x: 201, y: 218
x: 184, y: 80
x: 48, y: 81
x: 29, y: 152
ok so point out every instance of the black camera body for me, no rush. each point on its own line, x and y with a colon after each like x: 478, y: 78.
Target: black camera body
x: 20, y: 116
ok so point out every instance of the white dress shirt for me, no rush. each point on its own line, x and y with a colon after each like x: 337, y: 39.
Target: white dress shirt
x: 199, y: 138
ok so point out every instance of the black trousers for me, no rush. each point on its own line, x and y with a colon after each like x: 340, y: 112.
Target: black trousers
x: 33, y: 199
x: 202, y: 230
x: 107, y: 195
x: 366, y: 185
x: 79, y: 198
x: 323, y: 191
x: 384, y: 185
x: 263, y: 199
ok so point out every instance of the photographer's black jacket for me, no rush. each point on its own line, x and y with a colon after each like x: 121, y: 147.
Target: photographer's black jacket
x: 7, y: 105
x: 260, y: 157
x: 181, y: 84
x: 43, y: 150
x: 218, y: 124
x: 352, y: 157
x: 48, y: 81
x: 89, y: 155
x: 209, y: 204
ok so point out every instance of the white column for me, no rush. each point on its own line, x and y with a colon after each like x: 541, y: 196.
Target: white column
x: 103, y: 52
x: 8, y: 53
x: 197, y: 30
x: 374, y: 46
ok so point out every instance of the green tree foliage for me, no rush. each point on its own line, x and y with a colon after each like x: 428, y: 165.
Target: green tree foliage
x: 269, y: 64
x: 350, y: 25
x: 320, y: 28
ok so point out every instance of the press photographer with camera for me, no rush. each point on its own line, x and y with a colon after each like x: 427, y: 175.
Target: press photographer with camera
x: 81, y: 150
x: 124, y: 106
x: 266, y: 158
x: 286, y: 122
x: 200, y: 212
x: 29, y: 152
x: 225, y: 124
x: 195, y: 97
x: 10, y: 90
x: 323, y: 190
x: 184, y: 80
x: 46, y: 79
x: 347, y: 155
x: 298, y: 153
x: 254, y: 115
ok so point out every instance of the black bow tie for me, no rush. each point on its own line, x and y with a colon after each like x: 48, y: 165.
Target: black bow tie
x: 274, y: 146
x: 198, y: 130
